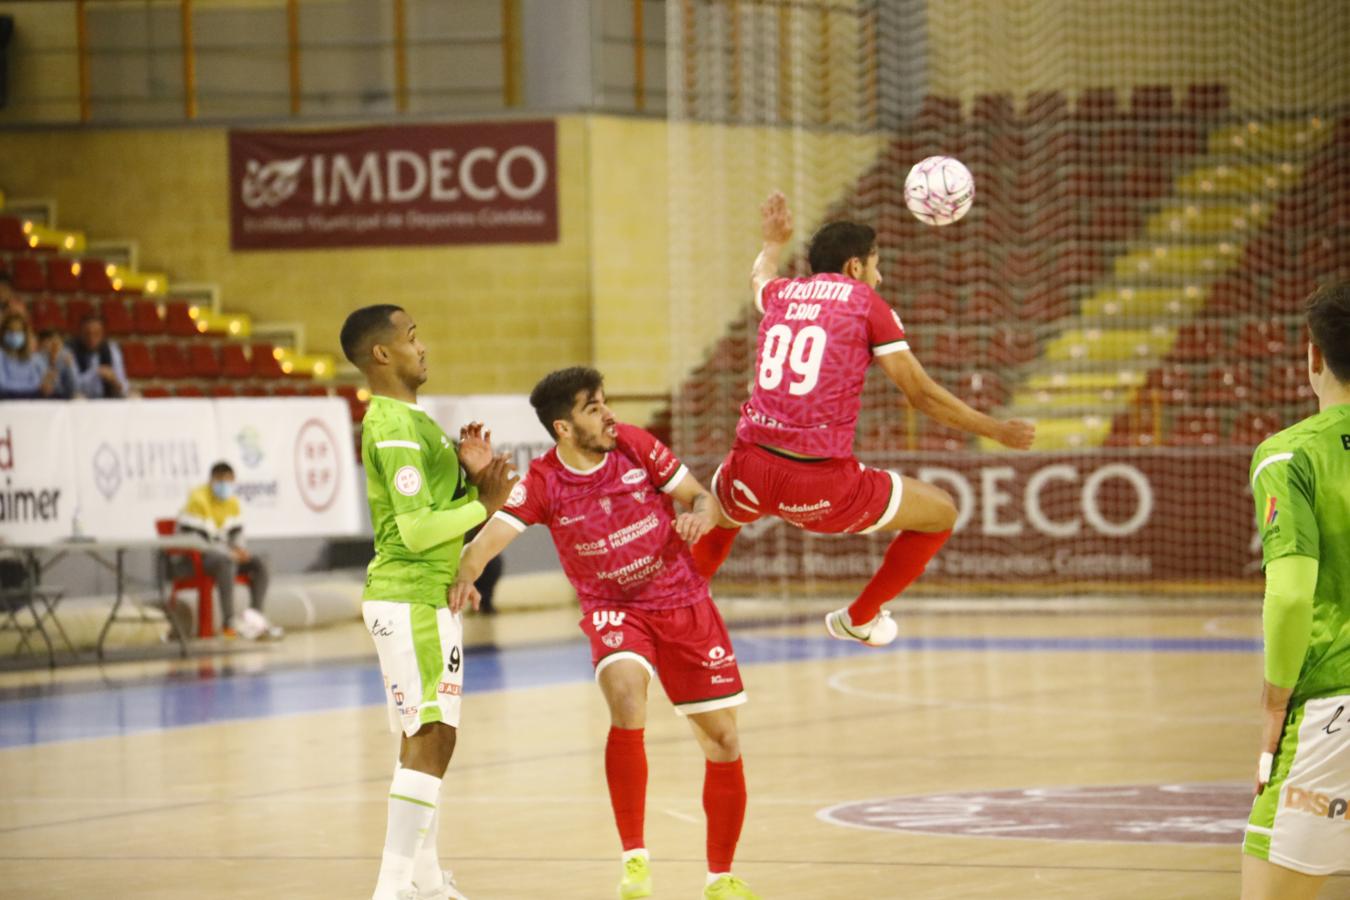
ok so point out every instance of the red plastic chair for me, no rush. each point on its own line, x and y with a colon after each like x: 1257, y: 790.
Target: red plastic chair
x: 198, y: 581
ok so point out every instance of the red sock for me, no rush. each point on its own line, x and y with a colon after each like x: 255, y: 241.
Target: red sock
x: 905, y: 560
x: 626, y: 772
x: 712, y: 549
x: 724, y: 804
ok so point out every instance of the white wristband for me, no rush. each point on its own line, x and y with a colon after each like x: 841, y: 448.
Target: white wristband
x: 1263, y: 767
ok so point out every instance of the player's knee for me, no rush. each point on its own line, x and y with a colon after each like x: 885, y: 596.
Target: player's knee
x: 725, y: 746
x: 627, y: 708
x: 944, y: 511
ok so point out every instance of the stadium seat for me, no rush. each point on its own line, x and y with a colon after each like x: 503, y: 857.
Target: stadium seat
x: 1044, y: 107
x: 1151, y: 101
x: 234, y: 362
x: 1196, y: 429
x: 28, y: 274
x: 139, y: 362
x: 1205, y: 100
x: 1131, y: 430
x: 203, y: 361
x: 77, y: 309
x: 147, y: 318
x: 12, y: 238
x: 265, y: 364
x: 63, y: 275
x: 117, y: 318
x: 1199, y: 341
x: 1011, y: 346
x: 48, y: 315
x: 222, y: 390
x: 1262, y: 340
x: 1251, y: 428
x: 1096, y: 104
x: 178, y: 321
x: 1228, y: 385
x: 171, y: 362
x: 156, y: 392
x: 1172, y: 382
x: 189, y: 390
x: 1286, y: 384
x: 198, y: 582
x: 937, y: 112
x: 993, y: 109
x: 94, y: 277
x: 358, y: 408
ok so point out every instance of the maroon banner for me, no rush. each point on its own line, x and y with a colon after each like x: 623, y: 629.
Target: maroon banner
x: 401, y: 185
x: 1100, y: 518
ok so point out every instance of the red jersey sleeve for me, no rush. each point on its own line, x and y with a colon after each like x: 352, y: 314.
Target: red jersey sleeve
x: 662, y: 465
x: 764, y: 299
x: 885, y: 333
x: 528, y: 503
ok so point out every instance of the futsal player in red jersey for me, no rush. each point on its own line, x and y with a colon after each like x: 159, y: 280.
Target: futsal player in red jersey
x: 605, y: 493
x: 793, y: 455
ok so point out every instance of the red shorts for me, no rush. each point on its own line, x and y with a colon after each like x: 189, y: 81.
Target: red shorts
x: 688, y: 648
x: 829, y: 496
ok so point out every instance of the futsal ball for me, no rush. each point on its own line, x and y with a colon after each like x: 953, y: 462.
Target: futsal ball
x: 939, y: 190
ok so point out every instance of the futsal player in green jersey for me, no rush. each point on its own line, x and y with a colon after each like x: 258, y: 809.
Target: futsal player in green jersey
x: 425, y: 493
x: 1299, y: 831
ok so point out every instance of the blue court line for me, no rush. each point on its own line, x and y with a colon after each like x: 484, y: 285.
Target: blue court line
x: 98, y: 710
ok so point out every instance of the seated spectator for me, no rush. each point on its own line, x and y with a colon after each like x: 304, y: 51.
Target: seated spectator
x: 24, y: 374
x: 212, y: 513
x: 99, y: 371
x: 11, y: 302
x: 52, y: 345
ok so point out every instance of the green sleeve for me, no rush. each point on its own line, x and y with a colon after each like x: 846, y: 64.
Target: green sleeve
x: 1287, y: 616
x: 1283, y: 488
x: 423, y: 529
x: 400, y: 465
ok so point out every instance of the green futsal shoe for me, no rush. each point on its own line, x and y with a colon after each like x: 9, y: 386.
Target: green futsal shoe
x: 729, y: 887
x: 637, y: 879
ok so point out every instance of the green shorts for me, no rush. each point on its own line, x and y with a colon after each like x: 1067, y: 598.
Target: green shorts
x: 421, y: 651
x: 1300, y: 820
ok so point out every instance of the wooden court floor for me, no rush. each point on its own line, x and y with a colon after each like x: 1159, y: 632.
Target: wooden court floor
x: 996, y: 754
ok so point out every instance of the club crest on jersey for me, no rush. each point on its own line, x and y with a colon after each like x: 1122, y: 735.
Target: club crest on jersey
x: 640, y: 496
x: 606, y: 505
x: 518, y: 494
x: 602, y: 617
x: 613, y: 640
x: 634, y: 476
x: 408, y: 481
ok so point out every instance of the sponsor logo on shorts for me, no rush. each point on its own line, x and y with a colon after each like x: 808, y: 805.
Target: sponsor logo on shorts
x: 397, y: 694
x: 591, y: 548
x: 612, y: 639
x: 630, y: 533
x: 602, y: 617
x: 801, y: 509
x: 381, y: 629
x: 408, y: 481
x: 719, y: 658
x: 448, y: 689
x: 634, y: 476
x: 723, y: 679
x: 1298, y: 799
x: 408, y: 711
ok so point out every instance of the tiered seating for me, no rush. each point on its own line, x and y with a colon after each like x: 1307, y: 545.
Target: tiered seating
x: 1150, y: 248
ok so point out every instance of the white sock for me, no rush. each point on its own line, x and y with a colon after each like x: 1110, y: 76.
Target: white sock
x: 427, y: 863
x: 637, y: 851
x: 412, y: 805
x: 713, y: 876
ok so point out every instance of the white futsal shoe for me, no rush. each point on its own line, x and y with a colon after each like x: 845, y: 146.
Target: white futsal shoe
x: 446, y: 890
x: 877, y: 633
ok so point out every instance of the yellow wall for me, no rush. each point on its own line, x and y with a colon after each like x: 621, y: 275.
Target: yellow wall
x: 494, y: 318
x: 1270, y: 54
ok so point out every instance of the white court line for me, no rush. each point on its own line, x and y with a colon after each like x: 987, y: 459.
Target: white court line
x: 839, y: 682
x: 683, y: 817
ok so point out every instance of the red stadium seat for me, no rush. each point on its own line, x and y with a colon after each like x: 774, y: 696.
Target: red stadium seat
x: 1011, y: 346
x: 234, y: 362
x: 189, y: 390
x: 982, y: 390
x: 1196, y: 429
x: 222, y: 390
x: 938, y: 112
x: 1251, y: 428
x: 63, y: 275
x: 12, y: 238
x: 1263, y: 340
x: 117, y: 318
x: 156, y: 393
x: 1199, y: 341
x: 1151, y: 101
x: 171, y: 362
x: 77, y: 310
x: 1096, y: 104
x: 993, y: 109
x: 178, y: 320
x: 1044, y: 107
x: 265, y: 364
x: 254, y: 390
x: 1286, y: 384
x: 1173, y: 384
x: 203, y: 361
x: 949, y: 349
x: 94, y: 277
x: 1203, y: 100
x: 1227, y: 385
x: 140, y: 364
x: 48, y: 315
x: 147, y: 318
x: 358, y: 409
x: 1131, y: 430
x: 28, y: 274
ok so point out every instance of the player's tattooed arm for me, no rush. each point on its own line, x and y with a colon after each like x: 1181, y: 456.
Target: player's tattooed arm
x: 776, y: 229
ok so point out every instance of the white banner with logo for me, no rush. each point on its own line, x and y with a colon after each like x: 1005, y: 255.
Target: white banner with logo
x: 136, y: 461
x: 294, y: 466
x: 37, y: 474
x: 514, y: 426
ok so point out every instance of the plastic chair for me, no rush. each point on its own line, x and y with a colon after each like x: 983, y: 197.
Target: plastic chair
x: 198, y: 581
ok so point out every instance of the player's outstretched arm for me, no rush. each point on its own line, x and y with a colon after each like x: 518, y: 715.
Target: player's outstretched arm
x: 932, y: 399
x: 1287, y: 615
x: 703, y: 509
x: 776, y: 228
x: 491, y: 541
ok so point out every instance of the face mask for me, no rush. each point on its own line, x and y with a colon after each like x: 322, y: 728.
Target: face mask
x: 223, y: 490
x: 16, y: 340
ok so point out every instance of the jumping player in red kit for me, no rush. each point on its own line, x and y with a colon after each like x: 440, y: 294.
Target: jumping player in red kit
x: 605, y: 492
x: 793, y: 455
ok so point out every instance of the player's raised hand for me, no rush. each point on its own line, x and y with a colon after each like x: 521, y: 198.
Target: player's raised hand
x: 495, y: 483
x: 1017, y: 434
x: 475, y: 447
x: 462, y: 595
x: 776, y: 219
x: 691, y: 526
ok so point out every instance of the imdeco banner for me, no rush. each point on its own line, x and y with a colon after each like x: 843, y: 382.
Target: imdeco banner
x: 400, y: 185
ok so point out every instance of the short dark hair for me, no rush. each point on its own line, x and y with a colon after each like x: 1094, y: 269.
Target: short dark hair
x: 1329, y: 326
x: 221, y: 468
x: 555, y: 394
x: 838, y: 242
x: 363, y: 327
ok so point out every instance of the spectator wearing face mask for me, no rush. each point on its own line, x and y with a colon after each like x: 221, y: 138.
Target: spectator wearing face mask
x: 212, y: 513
x: 98, y: 361
x: 24, y: 374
